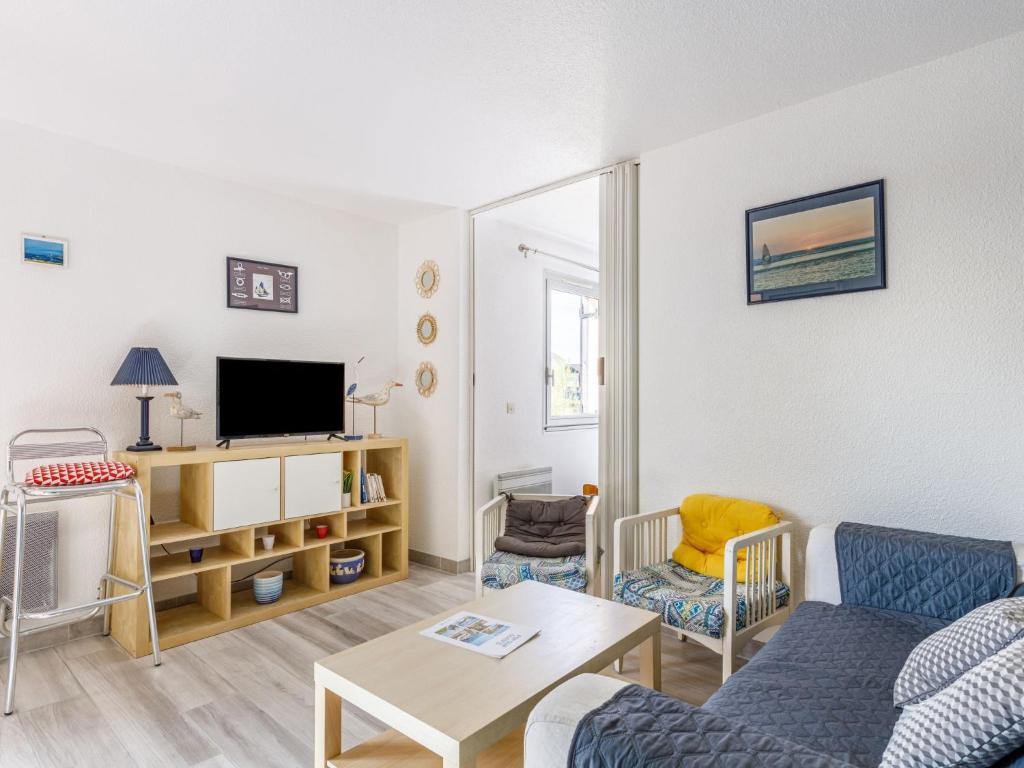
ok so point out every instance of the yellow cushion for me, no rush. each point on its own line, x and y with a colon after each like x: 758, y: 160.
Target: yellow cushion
x: 709, y: 522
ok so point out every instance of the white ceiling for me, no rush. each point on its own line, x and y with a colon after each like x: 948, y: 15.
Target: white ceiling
x: 372, y: 104
x: 572, y: 213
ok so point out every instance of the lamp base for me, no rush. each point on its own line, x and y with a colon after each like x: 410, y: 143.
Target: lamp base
x: 139, y: 448
x: 143, y: 443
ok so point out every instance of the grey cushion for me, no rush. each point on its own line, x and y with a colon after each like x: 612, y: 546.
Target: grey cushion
x: 545, y: 528
x: 943, y: 657
x: 974, y: 722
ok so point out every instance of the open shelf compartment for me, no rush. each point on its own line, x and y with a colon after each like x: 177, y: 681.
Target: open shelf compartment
x: 231, y: 549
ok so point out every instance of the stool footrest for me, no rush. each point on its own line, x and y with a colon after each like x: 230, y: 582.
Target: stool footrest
x: 136, y: 590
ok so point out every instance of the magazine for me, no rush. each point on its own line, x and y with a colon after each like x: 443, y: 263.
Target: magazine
x: 482, y: 634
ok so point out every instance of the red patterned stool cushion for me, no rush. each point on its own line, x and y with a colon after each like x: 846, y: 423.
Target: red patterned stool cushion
x: 79, y: 473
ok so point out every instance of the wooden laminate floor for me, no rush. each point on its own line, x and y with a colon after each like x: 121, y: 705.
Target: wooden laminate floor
x: 240, y: 699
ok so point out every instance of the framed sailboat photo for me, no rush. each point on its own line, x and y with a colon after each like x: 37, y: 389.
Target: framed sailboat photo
x: 833, y: 242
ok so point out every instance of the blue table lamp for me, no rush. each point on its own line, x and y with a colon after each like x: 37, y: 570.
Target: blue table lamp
x: 144, y: 367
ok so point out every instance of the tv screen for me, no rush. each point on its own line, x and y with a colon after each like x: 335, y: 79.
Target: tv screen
x: 271, y: 398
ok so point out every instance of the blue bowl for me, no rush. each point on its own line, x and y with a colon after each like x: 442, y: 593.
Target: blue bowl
x: 267, y: 586
x: 347, y: 565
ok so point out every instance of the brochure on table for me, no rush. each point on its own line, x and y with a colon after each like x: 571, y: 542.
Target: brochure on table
x: 491, y: 637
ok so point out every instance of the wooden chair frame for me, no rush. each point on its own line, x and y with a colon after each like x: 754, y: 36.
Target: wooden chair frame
x: 643, y: 540
x: 490, y: 523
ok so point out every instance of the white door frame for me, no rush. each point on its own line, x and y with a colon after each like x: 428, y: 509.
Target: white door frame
x: 618, y: 454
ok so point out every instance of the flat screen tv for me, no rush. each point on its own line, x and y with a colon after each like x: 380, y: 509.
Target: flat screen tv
x: 274, y: 398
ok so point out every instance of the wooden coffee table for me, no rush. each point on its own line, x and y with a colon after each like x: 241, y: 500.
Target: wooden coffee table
x: 456, y: 703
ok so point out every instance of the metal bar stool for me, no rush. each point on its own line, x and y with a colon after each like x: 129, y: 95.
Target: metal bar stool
x: 60, y: 482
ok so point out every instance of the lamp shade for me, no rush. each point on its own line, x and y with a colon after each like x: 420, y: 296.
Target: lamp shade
x: 144, y: 367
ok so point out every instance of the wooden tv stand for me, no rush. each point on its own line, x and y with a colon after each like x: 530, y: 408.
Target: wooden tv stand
x: 225, y: 496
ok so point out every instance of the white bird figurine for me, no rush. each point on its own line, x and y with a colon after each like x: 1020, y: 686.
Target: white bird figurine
x: 376, y: 400
x: 183, y: 413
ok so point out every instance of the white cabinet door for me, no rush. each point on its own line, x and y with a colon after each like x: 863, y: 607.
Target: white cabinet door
x: 312, y: 484
x: 246, y: 492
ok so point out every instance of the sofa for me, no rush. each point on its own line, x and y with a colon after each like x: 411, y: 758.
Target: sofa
x: 820, y: 692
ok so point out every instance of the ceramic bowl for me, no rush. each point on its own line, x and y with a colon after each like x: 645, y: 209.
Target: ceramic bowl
x: 346, y: 565
x: 267, y: 586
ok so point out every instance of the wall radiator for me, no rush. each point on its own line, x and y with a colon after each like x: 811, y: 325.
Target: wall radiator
x: 536, y: 480
x: 39, y: 585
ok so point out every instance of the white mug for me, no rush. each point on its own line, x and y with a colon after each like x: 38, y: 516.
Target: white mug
x: 268, y: 541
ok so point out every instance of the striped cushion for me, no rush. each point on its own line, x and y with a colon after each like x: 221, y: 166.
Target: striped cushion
x: 79, y: 473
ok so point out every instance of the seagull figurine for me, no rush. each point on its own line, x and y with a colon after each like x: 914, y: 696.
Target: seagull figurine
x: 183, y: 413
x: 376, y: 400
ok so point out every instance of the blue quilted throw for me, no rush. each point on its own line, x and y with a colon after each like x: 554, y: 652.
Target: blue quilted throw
x: 641, y: 728
x: 929, y: 574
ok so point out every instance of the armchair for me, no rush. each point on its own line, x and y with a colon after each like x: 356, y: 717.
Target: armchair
x: 497, y: 570
x: 720, y: 614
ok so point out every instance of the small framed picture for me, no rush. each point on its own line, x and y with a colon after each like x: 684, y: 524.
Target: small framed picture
x: 261, y: 285
x: 833, y: 242
x: 40, y: 249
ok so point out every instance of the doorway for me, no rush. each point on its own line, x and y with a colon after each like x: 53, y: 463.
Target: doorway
x: 553, y: 275
x: 537, y: 334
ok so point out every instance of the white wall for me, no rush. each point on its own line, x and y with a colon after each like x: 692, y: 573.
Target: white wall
x: 900, y: 407
x: 510, y: 330
x: 146, y: 267
x: 437, y: 426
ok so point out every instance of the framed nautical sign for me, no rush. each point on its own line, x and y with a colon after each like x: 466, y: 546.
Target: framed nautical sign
x: 833, y: 242
x: 262, y: 286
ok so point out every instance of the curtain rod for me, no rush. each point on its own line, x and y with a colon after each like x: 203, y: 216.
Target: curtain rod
x: 527, y: 250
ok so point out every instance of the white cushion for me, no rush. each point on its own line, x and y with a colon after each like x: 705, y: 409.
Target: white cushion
x: 552, y: 723
x: 821, y: 579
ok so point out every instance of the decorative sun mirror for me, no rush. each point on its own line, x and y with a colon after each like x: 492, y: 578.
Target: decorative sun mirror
x: 426, y: 379
x: 426, y: 329
x: 427, y: 278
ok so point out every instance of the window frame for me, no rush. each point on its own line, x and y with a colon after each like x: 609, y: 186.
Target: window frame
x: 579, y: 287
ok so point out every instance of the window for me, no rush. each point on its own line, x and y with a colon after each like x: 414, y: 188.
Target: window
x: 570, y: 354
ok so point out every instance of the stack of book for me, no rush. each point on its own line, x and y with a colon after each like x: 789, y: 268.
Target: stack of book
x: 372, y: 488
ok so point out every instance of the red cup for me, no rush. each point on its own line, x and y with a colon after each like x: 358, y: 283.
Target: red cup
x: 321, y: 531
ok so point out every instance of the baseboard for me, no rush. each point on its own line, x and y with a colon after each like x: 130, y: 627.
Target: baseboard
x: 440, y: 563
x: 56, y: 635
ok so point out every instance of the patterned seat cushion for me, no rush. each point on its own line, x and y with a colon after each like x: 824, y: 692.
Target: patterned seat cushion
x: 685, y: 599
x: 503, y: 569
x: 79, y: 473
